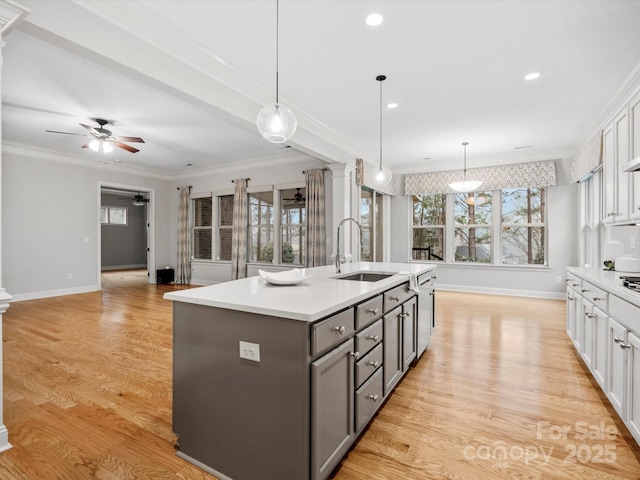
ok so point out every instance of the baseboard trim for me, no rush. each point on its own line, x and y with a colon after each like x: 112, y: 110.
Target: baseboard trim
x: 4, y: 439
x: 202, y: 466
x: 501, y: 291
x: 123, y: 267
x: 19, y: 297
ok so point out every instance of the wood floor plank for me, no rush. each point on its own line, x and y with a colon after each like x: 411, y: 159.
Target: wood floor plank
x: 87, y: 395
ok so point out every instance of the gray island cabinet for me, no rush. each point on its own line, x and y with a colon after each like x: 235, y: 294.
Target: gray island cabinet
x: 278, y: 382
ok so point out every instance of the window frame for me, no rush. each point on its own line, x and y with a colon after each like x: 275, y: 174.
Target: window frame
x: 442, y: 227
x: 193, y: 227
x: 108, y: 210
x: 495, y: 230
x: 543, y: 224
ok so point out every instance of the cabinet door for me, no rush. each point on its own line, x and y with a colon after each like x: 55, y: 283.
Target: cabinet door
x: 621, y: 135
x: 617, y: 366
x: 409, y: 330
x: 571, y: 312
x: 610, y: 175
x: 332, y: 409
x: 599, y: 361
x: 633, y: 412
x: 586, y: 347
x: 392, y: 364
x: 634, y: 188
x: 579, y: 323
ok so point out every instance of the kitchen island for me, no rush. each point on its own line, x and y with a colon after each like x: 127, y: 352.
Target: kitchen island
x: 277, y: 382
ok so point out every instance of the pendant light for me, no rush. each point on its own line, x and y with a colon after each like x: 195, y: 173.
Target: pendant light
x: 276, y: 122
x: 383, y: 176
x: 465, y: 185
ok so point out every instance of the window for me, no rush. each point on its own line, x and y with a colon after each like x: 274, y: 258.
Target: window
x: 113, y: 215
x: 429, y: 215
x: 225, y: 227
x: 371, y: 218
x: 473, y: 221
x: 202, y: 228
x: 292, y: 226
x: 523, y: 226
x: 261, y: 227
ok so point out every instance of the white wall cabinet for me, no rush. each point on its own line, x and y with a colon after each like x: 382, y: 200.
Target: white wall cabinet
x: 634, y: 147
x: 617, y: 182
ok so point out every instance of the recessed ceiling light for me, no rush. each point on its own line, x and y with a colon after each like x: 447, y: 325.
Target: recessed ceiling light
x: 374, y: 19
x: 392, y: 105
x: 427, y: 158
x: 532, y: 76
x: 187, y: 165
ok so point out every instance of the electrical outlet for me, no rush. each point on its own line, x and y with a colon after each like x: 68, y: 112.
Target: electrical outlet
x: 558, y: 279
x: 250, y: 351
x: 69, y: 276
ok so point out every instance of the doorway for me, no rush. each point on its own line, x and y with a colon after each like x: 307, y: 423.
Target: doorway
x: 125, y: 230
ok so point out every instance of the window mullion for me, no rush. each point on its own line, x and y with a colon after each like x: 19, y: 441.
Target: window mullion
x: 497, y: 228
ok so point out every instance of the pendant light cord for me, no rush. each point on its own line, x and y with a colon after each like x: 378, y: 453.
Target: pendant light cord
x: 465, y: 160
x: 381, y: 78
x: 277, y: 44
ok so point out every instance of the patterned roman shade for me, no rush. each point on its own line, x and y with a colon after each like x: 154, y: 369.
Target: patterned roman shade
x: 517, y: 175
x: 588, y: 159
x: 366, y: 175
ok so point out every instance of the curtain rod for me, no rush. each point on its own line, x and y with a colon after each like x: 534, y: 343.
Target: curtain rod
x: 190, y: 187
x: 324, y: 170
x: 247, y: 179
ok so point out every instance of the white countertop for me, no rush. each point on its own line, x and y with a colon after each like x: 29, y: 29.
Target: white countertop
x: 608, y: 281
x: 318, y: 296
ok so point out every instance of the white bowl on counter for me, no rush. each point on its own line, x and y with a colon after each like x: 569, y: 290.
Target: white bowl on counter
x: 627, y: 264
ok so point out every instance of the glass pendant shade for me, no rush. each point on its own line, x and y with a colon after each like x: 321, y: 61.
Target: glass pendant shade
x: 465, y: 186
x: 383, y: 176
x: 276, y: 123
x: 98, y: 145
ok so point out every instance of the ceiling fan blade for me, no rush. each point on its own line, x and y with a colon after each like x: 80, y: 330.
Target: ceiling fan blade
x: 126, y: 147
x: 90, y: 128
x: 130, y: 139
x: 64, y: 133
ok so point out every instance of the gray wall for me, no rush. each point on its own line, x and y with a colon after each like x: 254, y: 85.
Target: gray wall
x: 510, y: 280
x: 124, y: 246
x: 50, y: 219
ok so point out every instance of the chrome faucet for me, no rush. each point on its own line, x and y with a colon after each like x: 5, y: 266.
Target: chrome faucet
x: 339, y: 259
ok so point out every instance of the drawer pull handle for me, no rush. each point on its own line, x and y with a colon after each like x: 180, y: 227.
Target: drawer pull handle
x: 597, y: 299
x: 590, y: 315
x: 372, y: 310
x: 374, y: 364
x: 396, y: 298
x: 571, y: 298
x: 584, y: 290
x: 433, y: 277
x: 575, y: 284
x: 625, y: 345
x: 354, y: 354
x: 339, y: 330
x: 617, y: 340
x: 405, y: 315
x: 373, y: 338
x: 372, y: 397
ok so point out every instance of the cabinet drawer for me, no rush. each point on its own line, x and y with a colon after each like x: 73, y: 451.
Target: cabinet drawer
x: 396, y: 296
x: 369, y: 338
x: 368, y: 399
x: 368, y: 364
x: 595, y: 295
x: 331, y: 331
x: 625, y: 313
x: 368, y: 311
x: 573, y: 282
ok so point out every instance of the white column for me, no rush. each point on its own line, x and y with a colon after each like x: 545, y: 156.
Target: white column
x: 343, y: 207
x: 11, y: 14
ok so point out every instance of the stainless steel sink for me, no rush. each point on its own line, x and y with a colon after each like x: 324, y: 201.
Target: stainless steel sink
x: 364, y: 276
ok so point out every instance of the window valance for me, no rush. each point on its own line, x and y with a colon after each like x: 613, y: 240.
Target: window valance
x: 517, y: 175
x: 366, y: 175
x: 587, y: 159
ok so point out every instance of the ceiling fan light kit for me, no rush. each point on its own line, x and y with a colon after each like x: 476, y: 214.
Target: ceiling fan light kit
x: 465, y: 186
x: 103, y: 139
x: 276, y: 123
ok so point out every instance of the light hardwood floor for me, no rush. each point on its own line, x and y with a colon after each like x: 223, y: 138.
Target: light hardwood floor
x: 87, y: 394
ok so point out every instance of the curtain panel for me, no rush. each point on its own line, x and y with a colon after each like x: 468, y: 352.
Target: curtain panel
x: 588, y: 159
x: 316, y: 218
x: 239, y: 230
x: 183, y: 270
x: 517, y: 175
x: 366, y: 176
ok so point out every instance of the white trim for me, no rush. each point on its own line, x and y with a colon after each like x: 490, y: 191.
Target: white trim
x: 4, y: 439
x: 124, y: 267
x: 202, y: 466
x: 54, y: 293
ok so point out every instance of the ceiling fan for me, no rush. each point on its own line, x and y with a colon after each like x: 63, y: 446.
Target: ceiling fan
x: 104, y: 139
x: 298, y: 197
x: 138, y: 200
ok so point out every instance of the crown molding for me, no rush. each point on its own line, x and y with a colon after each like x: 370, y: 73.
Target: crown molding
x: 11, y: 15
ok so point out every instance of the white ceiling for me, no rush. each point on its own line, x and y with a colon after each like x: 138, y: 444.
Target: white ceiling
x: 190, y: 76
